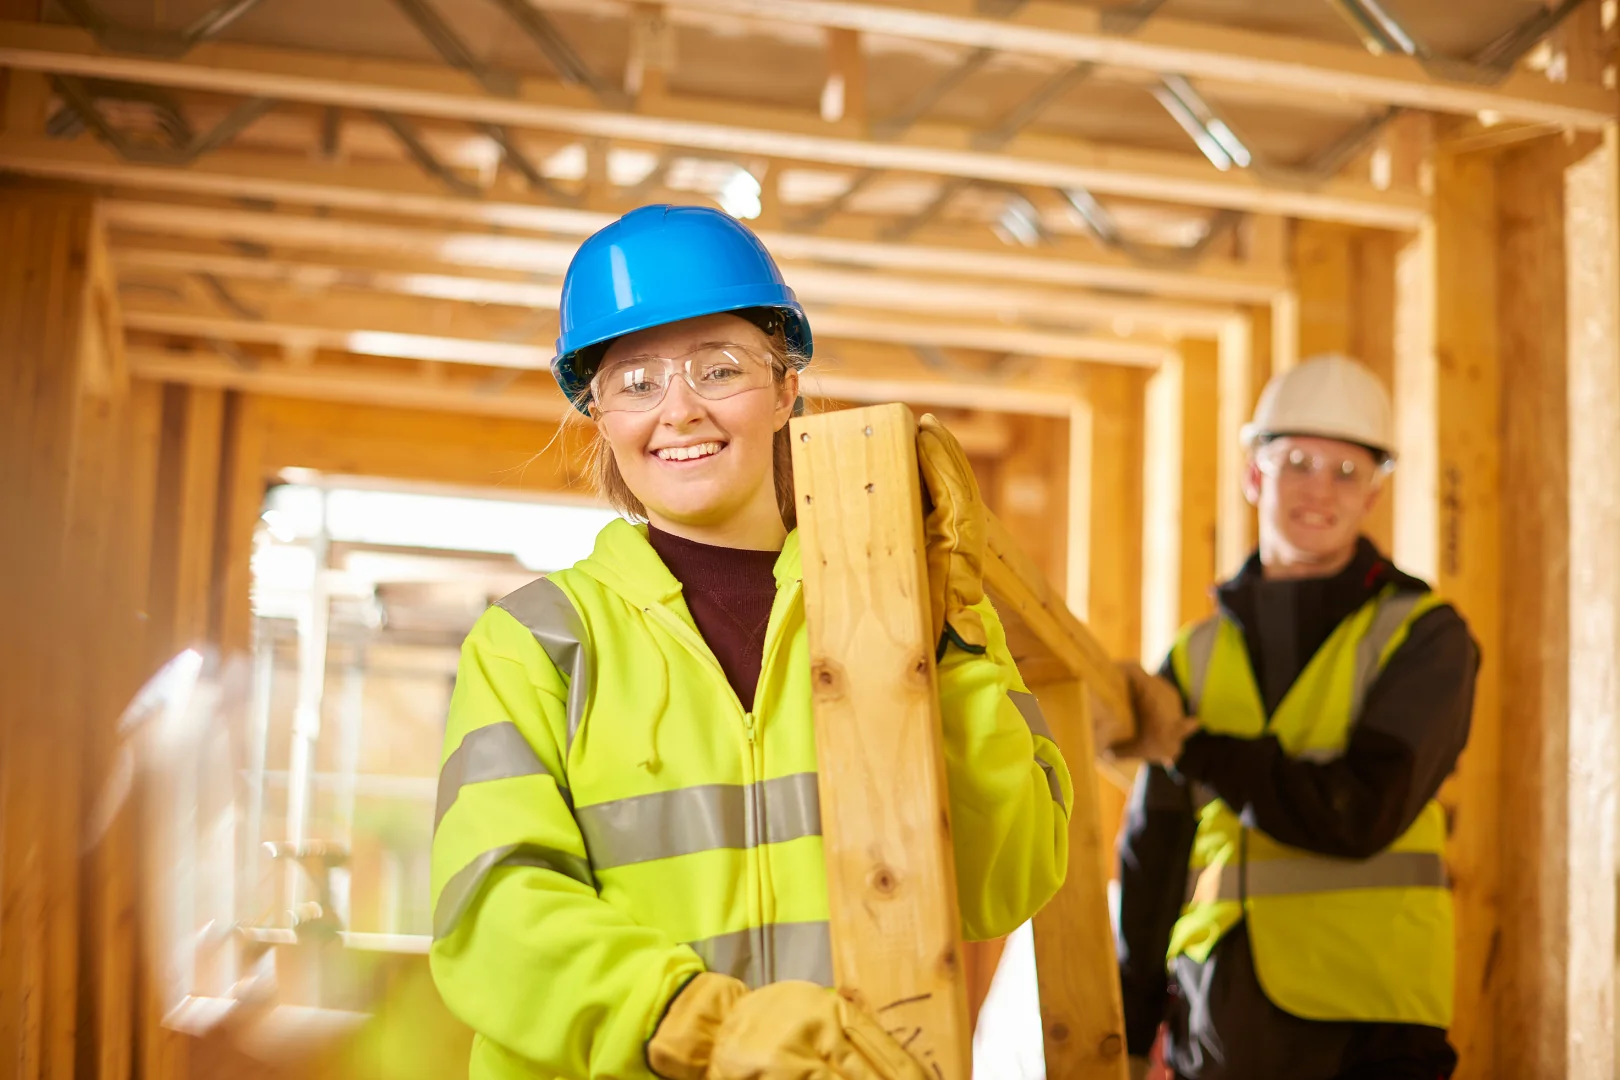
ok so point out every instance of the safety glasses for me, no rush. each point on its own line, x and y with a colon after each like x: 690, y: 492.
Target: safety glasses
x: 1294, y: 464
x: 714, y: 371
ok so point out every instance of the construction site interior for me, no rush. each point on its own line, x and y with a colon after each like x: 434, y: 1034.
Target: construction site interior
x: 279, y: 288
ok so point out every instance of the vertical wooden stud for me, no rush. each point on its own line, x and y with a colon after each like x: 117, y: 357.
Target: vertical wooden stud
x: 1592, y: 193
x: 884, y: 807
x: 1447, y: 529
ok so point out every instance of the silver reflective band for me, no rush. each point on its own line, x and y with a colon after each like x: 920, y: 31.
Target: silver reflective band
x: 547, y: 613
x: 462, y: 888
x: 1390, y: 617
x: 494, y: 752
x: 1200, y: 651
x: 702, y: 818
x: 1030, y: 710
x: 771, y: 953
x: 1291, y: 877
x: 1035, y: 720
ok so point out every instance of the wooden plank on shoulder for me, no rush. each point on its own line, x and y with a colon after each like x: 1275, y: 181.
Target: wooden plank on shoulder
x: 885, y: 810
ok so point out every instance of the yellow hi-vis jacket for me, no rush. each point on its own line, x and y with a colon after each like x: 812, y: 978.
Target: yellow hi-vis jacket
x: 612, y: 821
x: 1332, y: 939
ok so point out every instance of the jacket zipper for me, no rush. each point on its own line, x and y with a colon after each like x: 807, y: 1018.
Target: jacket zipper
x: 695, y: 643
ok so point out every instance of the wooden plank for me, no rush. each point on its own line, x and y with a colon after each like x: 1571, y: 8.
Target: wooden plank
x: 43, y: 283
x: 1592, y: 191
x: 438, y: 264
x: 242, y: 481
x: 488, y: 452
x: 379, y: 324
x: 717, y: 126
x: 1048, y: 643
x: 1292, y: 66
x: 1322, y: 277
x: 1179, y: 483
x: 1447, y: 529
x: 1243, y: 362
x: 884, y: 808
x: 1082, y: 1016
x: 936, y: 249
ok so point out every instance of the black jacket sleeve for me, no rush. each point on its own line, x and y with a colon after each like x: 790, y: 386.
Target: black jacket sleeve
x: 1154, y: 846
x: 1412, y: 728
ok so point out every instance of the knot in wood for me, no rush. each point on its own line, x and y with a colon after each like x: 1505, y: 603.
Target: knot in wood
x: 1059, y: 1033
x: 826, y: 678
x: 1111, y: 1046
x: 948, y: 962
x: 883, y: 880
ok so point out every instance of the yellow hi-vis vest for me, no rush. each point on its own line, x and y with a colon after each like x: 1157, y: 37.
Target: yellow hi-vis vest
x: 1332, y: 939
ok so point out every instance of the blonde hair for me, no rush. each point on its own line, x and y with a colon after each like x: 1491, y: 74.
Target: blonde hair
x: 609, y: 482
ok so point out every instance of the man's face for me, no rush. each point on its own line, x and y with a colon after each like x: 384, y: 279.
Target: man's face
x: 1312, y: 495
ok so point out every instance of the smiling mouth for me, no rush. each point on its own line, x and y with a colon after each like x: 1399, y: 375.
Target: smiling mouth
x: 1310, y: 518
x: 689, y: 453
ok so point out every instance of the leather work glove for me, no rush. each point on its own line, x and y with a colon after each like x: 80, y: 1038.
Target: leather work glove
x: 1161, y: 723
x: 784, y: 1031
x: 955, y: 537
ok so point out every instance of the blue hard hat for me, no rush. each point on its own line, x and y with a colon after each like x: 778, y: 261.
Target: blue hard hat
x: 661, y: 264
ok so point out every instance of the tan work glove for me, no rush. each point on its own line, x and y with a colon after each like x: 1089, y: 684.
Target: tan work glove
x: 955, y: 533
x: 1161, y: 724
x: 784, y: 1031
x: 1140, y: 1068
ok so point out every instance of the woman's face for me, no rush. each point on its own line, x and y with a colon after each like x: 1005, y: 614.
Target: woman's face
x: 700, y: 465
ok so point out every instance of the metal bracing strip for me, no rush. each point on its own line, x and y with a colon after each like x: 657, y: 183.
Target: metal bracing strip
x: 82, y: 102
x: 948, y: 190
x: 569, y: 65
x: 454, y: 50
x: 227, y: 299
x: 895, y: 126
x: 154, y: 41
x: 413, y: 144
x: 1025, y: 112
x: 818, y: 217
x: 501, y: 136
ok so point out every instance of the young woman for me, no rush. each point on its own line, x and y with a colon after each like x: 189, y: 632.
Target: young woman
x: 627, y: 863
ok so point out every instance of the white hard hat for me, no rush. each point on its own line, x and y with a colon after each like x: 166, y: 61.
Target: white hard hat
x: 1330, y: 397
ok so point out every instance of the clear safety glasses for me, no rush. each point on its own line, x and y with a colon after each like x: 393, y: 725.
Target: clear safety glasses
x: 714, y: 371
x: 1294, y: 464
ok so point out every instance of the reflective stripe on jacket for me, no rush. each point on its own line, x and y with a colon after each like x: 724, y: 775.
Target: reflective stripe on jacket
x: 611, y: 821
x: 1332, y: 939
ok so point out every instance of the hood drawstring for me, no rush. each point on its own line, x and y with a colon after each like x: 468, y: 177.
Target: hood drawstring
x: 660, y: 705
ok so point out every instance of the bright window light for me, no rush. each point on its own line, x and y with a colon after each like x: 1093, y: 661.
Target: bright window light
x: 542, y: 536
x: 740, y: 195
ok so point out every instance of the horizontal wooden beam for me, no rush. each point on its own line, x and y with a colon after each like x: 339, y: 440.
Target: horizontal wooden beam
x: 719, y: 127
x: 938, y: 250
x: 364, y: 321
x: 420, y: 273
x: 448, y: 392
x: 1288, y: 65
x: 356, y: 386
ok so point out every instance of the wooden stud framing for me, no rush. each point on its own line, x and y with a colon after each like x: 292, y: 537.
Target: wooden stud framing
x: 1535, y: 613
x: 1592, y: 193
x: 1447, y: 530
x: 885, y: 815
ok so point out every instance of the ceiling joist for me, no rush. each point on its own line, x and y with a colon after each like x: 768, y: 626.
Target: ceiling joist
x: 719, y: 127
x: 411, y: 274
x: 1286, y: 65
x: 375, y: 323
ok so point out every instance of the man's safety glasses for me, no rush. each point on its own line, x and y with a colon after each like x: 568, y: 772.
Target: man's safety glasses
x: 713, y: 371
x: 1295, y: 464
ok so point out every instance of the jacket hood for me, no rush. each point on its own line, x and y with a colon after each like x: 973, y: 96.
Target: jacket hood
x: 625, y: 562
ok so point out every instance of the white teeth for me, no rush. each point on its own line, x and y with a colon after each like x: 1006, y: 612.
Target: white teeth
x: 687, y: 453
